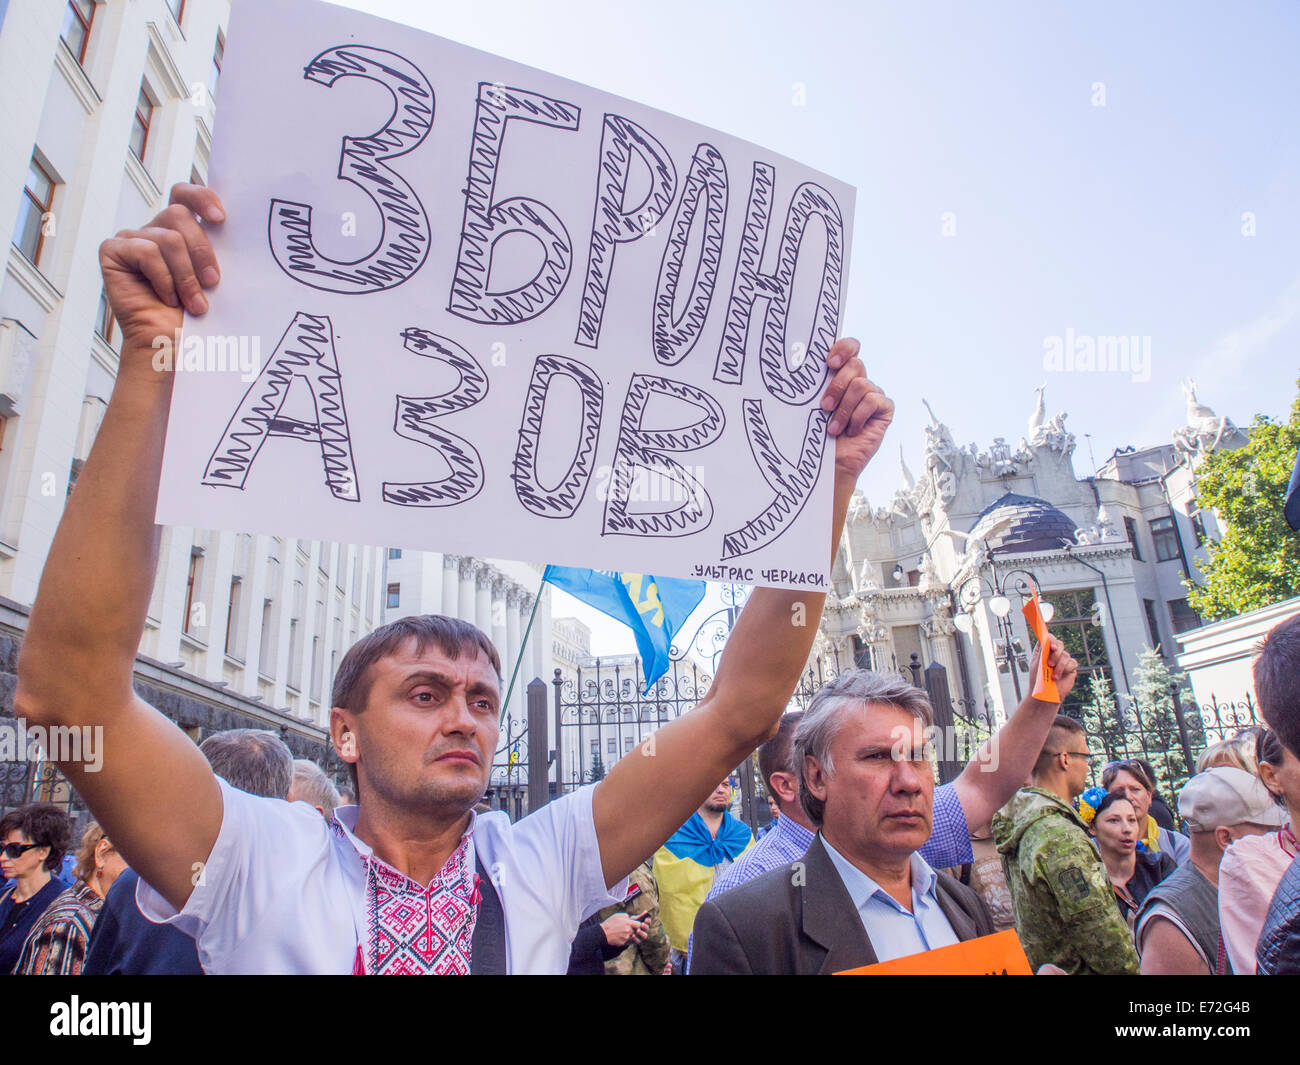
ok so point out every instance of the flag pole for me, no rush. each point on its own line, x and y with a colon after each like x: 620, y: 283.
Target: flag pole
x: 505, y: 705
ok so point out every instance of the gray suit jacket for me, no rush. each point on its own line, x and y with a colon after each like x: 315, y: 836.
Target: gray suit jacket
x: 803, y: 922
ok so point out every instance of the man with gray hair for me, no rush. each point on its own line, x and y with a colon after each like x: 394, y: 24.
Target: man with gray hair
x: 254, y: 760
x: 861, y: 894
x: 312, y: 786
x: 126, y: 943
x: 960, y: 809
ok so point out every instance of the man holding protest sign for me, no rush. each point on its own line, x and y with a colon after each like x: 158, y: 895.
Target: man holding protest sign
x: 266, y: 886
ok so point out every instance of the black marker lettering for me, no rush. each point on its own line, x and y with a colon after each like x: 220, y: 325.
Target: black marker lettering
x: 306, y: 352
x: 404, y: 237
x: 415, y: 421
x: 562, y: 500
x: 614, y: 224
x: 486, y: 222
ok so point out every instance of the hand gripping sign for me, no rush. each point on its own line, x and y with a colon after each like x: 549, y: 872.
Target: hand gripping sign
x: 504, y: 314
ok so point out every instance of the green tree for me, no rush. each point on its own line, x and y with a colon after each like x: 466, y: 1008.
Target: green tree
x: 1161, y: 742
x: 1100, y: 715
x: 597, y: 768
x: 1257, y: 562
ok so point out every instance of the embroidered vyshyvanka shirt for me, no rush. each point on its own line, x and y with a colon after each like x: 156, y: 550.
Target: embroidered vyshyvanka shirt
x: 283, y: 892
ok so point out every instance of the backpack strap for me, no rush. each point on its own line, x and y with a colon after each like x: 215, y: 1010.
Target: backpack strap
x: 488, y: 947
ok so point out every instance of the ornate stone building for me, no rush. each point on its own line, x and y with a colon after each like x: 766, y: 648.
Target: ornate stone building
x: 941, y: 571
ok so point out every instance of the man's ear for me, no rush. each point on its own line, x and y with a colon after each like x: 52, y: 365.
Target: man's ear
x: 785, y: 786
x: 1223, y: 837
x: 344, y: 739
x: 814, y: 777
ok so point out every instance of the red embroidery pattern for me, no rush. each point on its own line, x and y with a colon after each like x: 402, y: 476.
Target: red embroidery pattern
x: 417, y: 931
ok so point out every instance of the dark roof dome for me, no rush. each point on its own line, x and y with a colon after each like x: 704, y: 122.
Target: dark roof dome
x: 1034, y: 525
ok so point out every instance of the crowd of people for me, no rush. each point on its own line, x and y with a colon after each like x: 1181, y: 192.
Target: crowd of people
x: 229, y: 858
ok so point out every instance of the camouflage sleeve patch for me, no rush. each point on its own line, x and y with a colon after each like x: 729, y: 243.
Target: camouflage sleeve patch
x: 1075, y: 876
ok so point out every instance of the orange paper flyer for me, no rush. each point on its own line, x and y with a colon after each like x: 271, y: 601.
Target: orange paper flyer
x: 1044, y: 686
x: 997, y: 955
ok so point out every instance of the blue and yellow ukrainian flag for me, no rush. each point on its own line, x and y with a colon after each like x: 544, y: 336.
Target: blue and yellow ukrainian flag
x: 654, y: 608
x: 685, y: 866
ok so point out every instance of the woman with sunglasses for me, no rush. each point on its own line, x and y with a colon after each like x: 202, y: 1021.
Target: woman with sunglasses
x: 1253, y: 866
x: 1131, y: 780
x: 34, y: 838
x: 1116, y: 828
x: 57, y: 943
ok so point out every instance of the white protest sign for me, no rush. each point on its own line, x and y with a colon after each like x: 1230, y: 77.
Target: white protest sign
x: 471, y: 307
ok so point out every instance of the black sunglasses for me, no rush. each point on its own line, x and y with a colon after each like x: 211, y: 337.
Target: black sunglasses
x: 17, y: 850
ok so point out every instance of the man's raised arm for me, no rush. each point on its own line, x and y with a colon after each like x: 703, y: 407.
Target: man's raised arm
x: 644, y: 800
x: 1001, y: 766
x: 154, y: 793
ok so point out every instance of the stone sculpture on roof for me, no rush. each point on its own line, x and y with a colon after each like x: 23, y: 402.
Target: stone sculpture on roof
x: 1204, y: 430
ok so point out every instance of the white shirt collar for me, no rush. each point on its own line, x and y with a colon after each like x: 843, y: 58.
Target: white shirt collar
x: 345, y: 821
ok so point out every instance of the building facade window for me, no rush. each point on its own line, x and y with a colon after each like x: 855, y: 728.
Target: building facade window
x: 34, y: 211
x: 105, y: 323
x: 1153, y: 629
x: 77, y: 21
x: 1131, y: 531
x: 394, y: 596
x: 394, y: 552
x: 612, y: 745
x: 177, y: 8
x: 264, y: 644
x: 187, y: 622
x: 144, y: 108
x: 1182, y: 616
x: 232, y: 617
x: 1164, y: 539
x: 218, y: 57
x: 1076, y: 625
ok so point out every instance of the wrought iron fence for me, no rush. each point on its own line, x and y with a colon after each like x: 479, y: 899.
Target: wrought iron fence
x: 604, y: 706
x: 1169, y: 735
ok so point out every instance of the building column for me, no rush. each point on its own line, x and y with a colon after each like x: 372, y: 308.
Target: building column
x: 482, y: 616
x: 283, y: 614
x: 450, y: 585
x: 500, y: 633
x: 253, y: 600
x: 465, y: 600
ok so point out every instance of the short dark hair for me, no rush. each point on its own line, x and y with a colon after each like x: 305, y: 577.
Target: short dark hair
x: 1268, y: 748
x: 1277, y: 681
x: 44, y: 824
x: 252, y: 760
x: 1062, y: 722
x: 452, y: 636
x: 774, y: 755
x: 1112, y: 797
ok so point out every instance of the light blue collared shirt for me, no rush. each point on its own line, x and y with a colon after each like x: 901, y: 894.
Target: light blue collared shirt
x: 895, y: 933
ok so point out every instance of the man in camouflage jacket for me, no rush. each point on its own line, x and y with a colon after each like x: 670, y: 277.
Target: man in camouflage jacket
x: 1066, y: 913
x: 650, y: 956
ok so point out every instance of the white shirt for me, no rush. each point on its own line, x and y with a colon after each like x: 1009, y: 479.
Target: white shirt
x: 283, y: 893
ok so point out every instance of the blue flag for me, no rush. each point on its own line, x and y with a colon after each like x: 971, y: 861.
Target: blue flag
x: 654, y: 608
x: 1291, y: 509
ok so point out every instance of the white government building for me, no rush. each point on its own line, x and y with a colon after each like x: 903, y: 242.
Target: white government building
x: 104, y: 105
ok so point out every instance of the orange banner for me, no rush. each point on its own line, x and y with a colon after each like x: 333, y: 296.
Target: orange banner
x: 997, y: 955
x: 1044, y: 686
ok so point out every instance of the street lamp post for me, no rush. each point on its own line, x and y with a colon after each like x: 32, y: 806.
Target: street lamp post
x: 1010, y: 652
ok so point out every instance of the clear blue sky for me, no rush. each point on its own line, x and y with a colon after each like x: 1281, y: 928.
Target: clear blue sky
x: 1123, y: 219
